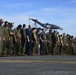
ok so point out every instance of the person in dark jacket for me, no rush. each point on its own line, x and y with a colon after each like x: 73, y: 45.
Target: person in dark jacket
x: 29, y: 40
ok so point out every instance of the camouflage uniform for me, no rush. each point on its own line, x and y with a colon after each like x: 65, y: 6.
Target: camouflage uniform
x: 11, y: 42
x: 53, y: 42
x: 49, y: 42
x: 7, y: 41
x: 23, y: 41
x: 35, y: 43
x: 45, y: 45
x: 72, y: 46
x: 64, y: 45
x: 68, y: 44
x: 57, y: 44
x: 17, y: 44
x: 61, y: 43
x: 75, y: 46
x: 1, y: 39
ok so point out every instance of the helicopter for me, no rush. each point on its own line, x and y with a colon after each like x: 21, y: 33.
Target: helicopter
x: 46, y: 25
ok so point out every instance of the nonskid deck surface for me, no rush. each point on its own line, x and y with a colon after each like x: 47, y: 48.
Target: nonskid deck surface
x: 38, y: 65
